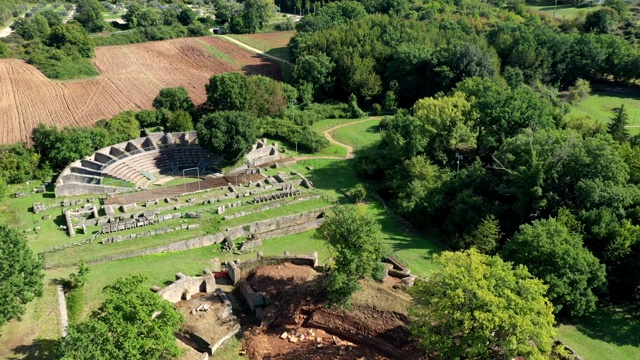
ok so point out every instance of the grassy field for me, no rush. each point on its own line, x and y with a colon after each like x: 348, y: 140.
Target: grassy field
x: 160, y: 269
x: 600, y: 105
x: 331, y: 150
x: 561, y: 11
x: 363, y: 134
x: 217, y: 53
x: 274, y: 44
x: 609, y: 334
x: 180, y: 181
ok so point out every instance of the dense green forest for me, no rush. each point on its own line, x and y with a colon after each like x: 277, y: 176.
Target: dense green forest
x: 485, y: 155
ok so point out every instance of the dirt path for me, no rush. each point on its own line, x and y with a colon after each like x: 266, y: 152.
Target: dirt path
x: 252, y: 49
x: 7, y: 31
x: 64, y: 318
x: 70, y: 16
x: 327, y: 134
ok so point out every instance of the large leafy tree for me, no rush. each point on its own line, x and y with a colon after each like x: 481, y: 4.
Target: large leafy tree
x: 266, y: 96
x: 173, y: 99
x: 227, y: 91
x: 503, y: 112
x: 357, y: 245
x: 559, y: 258
x: 332, y: 14
x: 123, y: 127
x: 474, y: 304
x: 179, y: 120
x: 72, y: 39
x: 440, y: 128
x: 256, y: 13
x: 228, y: 133
x: 59, y: 147
x: 132, y: 323
x: 89, y: 14
x: 314, y: 70
x: 21, y: 274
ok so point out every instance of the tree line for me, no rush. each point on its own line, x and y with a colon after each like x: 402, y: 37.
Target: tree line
x: 343, y: 49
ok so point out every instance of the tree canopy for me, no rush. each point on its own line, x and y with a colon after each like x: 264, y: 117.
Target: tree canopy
x: 132, y: 323
x: 475, y: 304
x: 173, y: 99
x: 228, y: 133
x: 123, y: 127
x: 89, y: 15
x: 21, y: 274
x: 558, y: 257
x: 227, y: 91
x: 356, y: 242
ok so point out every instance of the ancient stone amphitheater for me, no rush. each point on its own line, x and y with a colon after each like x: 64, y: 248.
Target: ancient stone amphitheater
x: 138, y: 163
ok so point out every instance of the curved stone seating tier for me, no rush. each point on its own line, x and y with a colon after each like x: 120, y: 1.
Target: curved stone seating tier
x: 140, y: 161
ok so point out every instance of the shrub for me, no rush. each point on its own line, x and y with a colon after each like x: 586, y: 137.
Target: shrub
x: 358, y: 193
x: 579, y: 91
x: 302, y: 135
x: 379, y: 272
x: 377, y: 109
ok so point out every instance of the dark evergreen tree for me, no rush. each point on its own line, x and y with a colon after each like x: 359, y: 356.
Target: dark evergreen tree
x: 617, y: 126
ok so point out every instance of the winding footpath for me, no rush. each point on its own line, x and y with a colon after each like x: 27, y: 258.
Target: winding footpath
x: 327, y: 134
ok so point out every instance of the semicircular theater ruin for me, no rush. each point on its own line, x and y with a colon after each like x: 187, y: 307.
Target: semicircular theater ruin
x: 141, y: 162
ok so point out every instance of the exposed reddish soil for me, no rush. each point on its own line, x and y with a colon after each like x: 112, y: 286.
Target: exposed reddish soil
x: 296, y: 296
x: 131, y: 76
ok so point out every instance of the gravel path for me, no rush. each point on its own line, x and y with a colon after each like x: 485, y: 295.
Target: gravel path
x: 64, y: 318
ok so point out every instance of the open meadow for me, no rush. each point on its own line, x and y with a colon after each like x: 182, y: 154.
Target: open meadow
x: 274, y: 43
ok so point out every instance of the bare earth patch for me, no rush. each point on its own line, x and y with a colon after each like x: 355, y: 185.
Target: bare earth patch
x: 131, y: 76
x: 371, y: 330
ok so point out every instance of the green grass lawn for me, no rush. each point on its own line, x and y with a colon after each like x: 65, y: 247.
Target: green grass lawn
x: 562, y: 11
x: 359, y: 135
x: 160, y: 269
x: 331, y: 150
x: 180, y: 181
x: 609, y: 334
x: 217, y: 53
x: 110, y: 15
x: 274, y: 44
x: 33, y: 337
x: 600, y: 105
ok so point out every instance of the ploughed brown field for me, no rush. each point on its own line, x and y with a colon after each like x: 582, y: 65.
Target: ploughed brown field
x: 131, y: 76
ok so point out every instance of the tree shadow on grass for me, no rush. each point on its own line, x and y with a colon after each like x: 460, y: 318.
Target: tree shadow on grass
x: 39, y: 349
x: 331, y: 174
x: 616, y: 325
x: 266, y: 67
